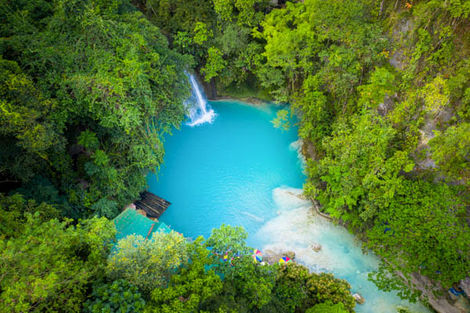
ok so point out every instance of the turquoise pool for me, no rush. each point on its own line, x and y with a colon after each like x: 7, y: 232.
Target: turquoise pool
x: 240, y: 170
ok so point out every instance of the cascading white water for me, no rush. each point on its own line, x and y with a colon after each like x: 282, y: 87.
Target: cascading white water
x: 200, y: 111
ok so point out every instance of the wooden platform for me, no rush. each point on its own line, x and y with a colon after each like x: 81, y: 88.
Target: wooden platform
x: 152, y: 204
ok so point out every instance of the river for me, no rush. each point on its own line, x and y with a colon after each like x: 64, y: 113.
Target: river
x: 236, y: 168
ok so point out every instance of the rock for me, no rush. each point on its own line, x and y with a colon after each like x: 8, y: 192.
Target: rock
x: 465, y: 285
x: 359, y: 299
x: 272, y: 257
x: 452, y: 296
x: 431, y: 290
x: 316, y: 247
x: 289, y: 254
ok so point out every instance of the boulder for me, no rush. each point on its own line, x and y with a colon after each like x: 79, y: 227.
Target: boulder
x: 359, y: 299
x: 465, y: 285
x: 289, y: 254
x: 272, y: 257
x: 316, y: 247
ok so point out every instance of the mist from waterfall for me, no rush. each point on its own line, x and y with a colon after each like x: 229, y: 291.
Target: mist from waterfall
x: 200, y: 112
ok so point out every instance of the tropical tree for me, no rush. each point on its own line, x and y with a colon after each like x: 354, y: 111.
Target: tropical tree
x: 148, y: 263
x: 116, y: 297
x: 46, y: 266
x: 192, y: 287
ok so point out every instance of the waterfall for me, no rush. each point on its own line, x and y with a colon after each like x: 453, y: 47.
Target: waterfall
x: 200, y: 111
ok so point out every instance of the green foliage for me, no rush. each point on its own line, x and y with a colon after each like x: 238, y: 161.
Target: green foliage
x: 13, y: 211
x: 116, y: 297
x: 179, y: 15
x: 228, y: 240
x: 435, y: 95
x: 88, y: 89
x: 28, y: 125
x: 201, y: 33
x: 224, y: 9
x: 251, y: 287
x: 191, y: 288
x: 247, y: 286
x: 381, y: 85
x: 327, y: 308
x: 450, y: 150
x: 47, y: 265
x: 360, y: 170
x: 290, y: 292
x: 296, y: 290
x: 188, y: 24
x: 312, y: 105
x: 88, y: 140
x: 282, y: 120
x: 334, y: 40
x: 41, y: 190
x: 148, y: 264
x: 215, y: 63
x: 424, y: 226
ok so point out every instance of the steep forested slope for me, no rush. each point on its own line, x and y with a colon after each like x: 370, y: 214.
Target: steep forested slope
x: 87, y: 89
x: 382, y: 91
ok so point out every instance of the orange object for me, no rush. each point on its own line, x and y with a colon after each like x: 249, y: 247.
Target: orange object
x: 150, y: 231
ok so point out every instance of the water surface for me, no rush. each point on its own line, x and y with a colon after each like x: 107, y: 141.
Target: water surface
x: 240, y: 170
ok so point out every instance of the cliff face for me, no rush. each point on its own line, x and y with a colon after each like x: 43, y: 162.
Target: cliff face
x: 403, y: 33
x: 425, y: 104
x: 429, y: 56
x: 209, y: 88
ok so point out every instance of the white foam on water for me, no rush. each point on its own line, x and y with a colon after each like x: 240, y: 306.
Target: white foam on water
x: 297, y: 228
x: 206, y: 117
x: 200, y: 111
x: 297, y: 146
x: 287, y: 198
x: 253, y: 217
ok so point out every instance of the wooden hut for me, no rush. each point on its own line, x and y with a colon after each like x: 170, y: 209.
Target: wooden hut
x: 153, y: 205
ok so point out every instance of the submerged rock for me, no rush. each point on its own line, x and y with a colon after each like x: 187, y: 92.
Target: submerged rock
x: 316, y: 247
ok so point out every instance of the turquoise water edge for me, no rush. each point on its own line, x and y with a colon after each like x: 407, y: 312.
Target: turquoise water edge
x: 240, y: 170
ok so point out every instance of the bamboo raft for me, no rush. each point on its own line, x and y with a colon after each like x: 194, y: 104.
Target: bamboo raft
x: 153, y: 205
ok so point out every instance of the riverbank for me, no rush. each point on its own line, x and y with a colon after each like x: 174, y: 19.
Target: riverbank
x: 246, y: 100
x: 245, y: 93
x: 306, y: 150
x: 446, y: 302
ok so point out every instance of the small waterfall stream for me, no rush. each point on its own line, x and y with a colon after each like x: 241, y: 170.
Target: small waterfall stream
x: 200, y: 112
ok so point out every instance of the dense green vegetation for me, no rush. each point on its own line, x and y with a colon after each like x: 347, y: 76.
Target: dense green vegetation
x: 55, y: 266
x: 382, y: 92
x: 88, y: 89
